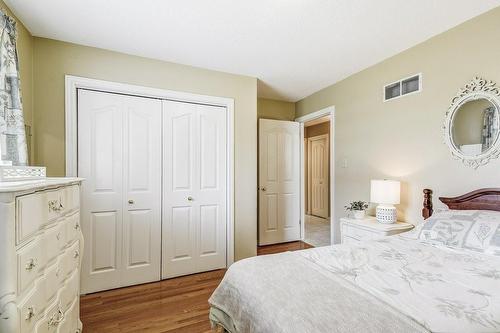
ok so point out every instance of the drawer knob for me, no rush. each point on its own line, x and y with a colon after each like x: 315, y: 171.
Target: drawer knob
x: 31, y: 313
x: 76, y: 255
x: 131, y: 202
x: 190, y: 199
x: 30, y: 264
x: 77, y: 226
x: 55, y: 206
x: 52, y: 205
x: 56, y: 318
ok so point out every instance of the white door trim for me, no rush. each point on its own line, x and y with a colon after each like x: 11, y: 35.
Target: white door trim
x: 72, y: 83
x: 328, y: 111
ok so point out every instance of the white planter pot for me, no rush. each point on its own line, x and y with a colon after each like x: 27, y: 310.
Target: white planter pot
x: 359, y: 214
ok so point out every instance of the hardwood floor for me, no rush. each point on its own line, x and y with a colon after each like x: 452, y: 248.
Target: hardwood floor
x: 174, y: 305
x: 283, y: 247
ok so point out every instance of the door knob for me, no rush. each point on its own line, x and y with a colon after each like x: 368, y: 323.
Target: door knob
x: 190, y: 199
x: 263, y: 189
x: 130, y: 201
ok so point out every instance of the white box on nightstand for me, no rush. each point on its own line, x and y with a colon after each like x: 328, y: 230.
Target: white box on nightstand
x: 354, y: 230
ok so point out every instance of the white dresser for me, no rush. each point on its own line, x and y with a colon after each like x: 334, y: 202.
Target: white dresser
x: 354, y: 231
x: 40, y: 247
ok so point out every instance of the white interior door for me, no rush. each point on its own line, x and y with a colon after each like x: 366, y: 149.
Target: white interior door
x: 318, y: 174
x: 279, y: 181
x: 194, y: 190
x: 119, y: 155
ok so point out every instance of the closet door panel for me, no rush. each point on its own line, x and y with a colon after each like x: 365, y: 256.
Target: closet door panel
x: 142, y: 198
x: 180, y: 217
x: 119, y: 155
x: 103, y: 248
x: 182, y: 228
x: 139, y: 245
x: 194, y: 211
x: 100, y: 154
x: 180, y: 128
x: 212, y: 188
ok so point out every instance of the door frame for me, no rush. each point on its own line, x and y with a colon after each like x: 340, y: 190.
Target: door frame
x: 73, y: 83
x: 309, y: 165
x: 328, y: 111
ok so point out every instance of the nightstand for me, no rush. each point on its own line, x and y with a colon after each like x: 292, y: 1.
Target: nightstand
x: 354, y: 231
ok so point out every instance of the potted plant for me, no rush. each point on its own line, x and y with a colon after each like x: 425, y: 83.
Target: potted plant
x: 357, y: 208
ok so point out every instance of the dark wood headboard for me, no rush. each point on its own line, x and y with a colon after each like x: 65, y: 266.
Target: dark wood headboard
x: 482, y: 199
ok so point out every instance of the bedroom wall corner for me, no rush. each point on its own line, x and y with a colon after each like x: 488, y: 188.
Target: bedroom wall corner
x: 274, y: 109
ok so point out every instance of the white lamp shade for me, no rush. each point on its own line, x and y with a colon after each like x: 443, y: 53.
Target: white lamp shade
x: 385, y: 192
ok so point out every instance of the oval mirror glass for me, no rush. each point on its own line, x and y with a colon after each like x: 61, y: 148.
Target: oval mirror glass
x: 475, y: 127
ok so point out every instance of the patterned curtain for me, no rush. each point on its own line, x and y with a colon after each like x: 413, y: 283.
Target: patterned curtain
x: 490, y: 127
x: 13, y: 147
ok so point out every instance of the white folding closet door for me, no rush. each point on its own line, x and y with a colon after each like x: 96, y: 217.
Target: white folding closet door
x: 194, y: 188
x: 279, y: 181
x: 119, y: 155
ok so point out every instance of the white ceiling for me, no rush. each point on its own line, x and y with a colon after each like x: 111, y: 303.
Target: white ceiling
x: 294, y: 47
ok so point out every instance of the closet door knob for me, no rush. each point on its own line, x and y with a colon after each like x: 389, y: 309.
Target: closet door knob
x: 130, y: 201
x: 190, y: 199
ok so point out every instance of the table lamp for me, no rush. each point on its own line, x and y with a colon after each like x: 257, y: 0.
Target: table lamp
x: 386, y: 194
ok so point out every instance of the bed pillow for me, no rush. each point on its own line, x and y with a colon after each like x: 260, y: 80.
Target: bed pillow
x: 477, y: 230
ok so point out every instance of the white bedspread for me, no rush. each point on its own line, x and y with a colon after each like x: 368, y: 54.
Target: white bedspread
x: 389, y: 285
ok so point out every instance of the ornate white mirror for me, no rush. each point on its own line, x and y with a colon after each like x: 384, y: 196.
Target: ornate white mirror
x: 472, y: 124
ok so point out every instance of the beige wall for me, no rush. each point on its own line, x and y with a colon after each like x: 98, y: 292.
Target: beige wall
x: 273, y: 109
x: 54, y: 59
x: 403, y: 138
x: 25, y: 54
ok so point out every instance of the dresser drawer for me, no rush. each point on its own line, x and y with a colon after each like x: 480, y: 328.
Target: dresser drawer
x: 72, y: 198
x: 356, y: 233
x: 55, y: 203
x: 31, y: 310
x: 52, y: 320
x: 71, y: 259
x: 35, y: 210
x: 350, y: 241
x: 30, y: 260
x: 73, y: 228
x: 55, y: 240
x: 70, y: 322
x: 54, y: 281
x: 69, y: 292
x: 31, y: 214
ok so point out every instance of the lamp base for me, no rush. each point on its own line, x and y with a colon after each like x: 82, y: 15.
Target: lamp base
x: 386, y: 214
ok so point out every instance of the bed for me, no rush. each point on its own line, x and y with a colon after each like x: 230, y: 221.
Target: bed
x: 443, y: 276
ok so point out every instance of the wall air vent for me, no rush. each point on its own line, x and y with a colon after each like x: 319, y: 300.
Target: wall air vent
x: 403, y: 87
